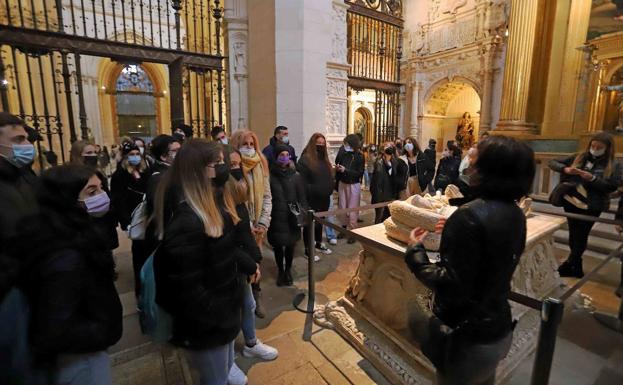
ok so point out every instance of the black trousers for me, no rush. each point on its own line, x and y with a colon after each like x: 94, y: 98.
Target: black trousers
x: 578, y: 233
x: 140, y: 252
x: 381, y: 214
x: 284, y: 254
x: 317, y: 204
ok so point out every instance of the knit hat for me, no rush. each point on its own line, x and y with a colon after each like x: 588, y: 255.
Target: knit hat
x: 126, y: 147
x: 279, y: 149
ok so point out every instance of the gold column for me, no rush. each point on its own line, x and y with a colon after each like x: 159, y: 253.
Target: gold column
x: 598, y: 103
x: 518, y: 67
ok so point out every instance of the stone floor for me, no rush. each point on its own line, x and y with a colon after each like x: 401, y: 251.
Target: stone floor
x: 586, y: 352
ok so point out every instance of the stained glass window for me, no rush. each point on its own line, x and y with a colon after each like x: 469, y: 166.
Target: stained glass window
x: 136, y: 104
x: 134, y: 79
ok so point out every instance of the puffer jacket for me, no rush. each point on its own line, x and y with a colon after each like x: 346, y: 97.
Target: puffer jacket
x: 599, y: 189
x: 200, y: 280
x: 287, y: 187
x: 481, y: 245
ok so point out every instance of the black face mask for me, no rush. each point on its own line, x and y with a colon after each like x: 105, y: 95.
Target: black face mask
x: 399, y: 146
x: 321, y: 149
x: 221, y: 174
x: 236, y: 173
x: 389, y: 151
x: 90, y: 160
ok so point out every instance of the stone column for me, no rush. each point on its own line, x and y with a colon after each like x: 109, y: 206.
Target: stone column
x: 489, y: 51
x: 236, y: 30
x: 518, y: 68
x: 337, y: 79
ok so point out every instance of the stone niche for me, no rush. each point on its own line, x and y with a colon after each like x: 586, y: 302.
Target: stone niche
x: 455, y: 44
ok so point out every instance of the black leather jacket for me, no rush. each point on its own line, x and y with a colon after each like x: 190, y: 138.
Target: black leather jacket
x: 480, y: 248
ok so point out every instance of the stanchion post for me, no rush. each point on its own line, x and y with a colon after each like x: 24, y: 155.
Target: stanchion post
x: 311, y: 248
x: 551, y: 316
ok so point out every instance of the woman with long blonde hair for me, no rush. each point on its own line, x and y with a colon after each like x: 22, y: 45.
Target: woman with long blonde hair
x: 595, y: 174
x: 206, y: 255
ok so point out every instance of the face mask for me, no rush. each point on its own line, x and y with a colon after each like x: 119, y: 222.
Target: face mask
x: 283, y: 160
x: 285, y: 140
x: 389, y: 151
x: 90, y: 160
x: 141, y: 150
x: 224, y: 140
x: 221, y: 174
x: 248, y: 152
x: 134, y: 160
x: 236, y: 173
x: 409, y: 147
x: 321, y: 149
x: 179, y: 137
x: 23, y: 154
x: 373, y: 149
x: 597, y: 153
x: 348, y: 148
x: 97, y: 205
x: 399, y: 145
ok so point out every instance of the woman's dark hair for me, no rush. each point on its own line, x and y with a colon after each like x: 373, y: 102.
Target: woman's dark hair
x: 353, y: 141
x: 504, y: 170
x: 160, y: 145
x: 454, y: 149
x: 59, y: 187
x: 311, y: 154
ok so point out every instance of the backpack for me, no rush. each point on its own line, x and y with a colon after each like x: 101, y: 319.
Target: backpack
x: 155, y: 321
x: 138, y: 224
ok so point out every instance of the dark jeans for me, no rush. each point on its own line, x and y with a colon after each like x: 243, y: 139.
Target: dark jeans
x: 317, y: 204
x: 284, y: 253
x: 381, y: 214
x: 140, y: 252
x: 578, y: 233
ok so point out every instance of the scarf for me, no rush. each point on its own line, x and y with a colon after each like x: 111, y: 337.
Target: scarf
x: 256, y: 188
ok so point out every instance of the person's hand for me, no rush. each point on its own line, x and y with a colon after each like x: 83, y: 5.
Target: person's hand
x: 570, y: 171
x: 255, y: 278
x: 417, y: 236
x: 259, y: 230
x: 587, y: 176
x: 440, y: 225
x: 340, y: 168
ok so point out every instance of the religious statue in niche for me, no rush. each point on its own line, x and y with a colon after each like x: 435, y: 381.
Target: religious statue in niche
x: 465, y: 132
x: 619, y: 89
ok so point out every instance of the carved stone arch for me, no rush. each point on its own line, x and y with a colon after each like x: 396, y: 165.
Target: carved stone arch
x: 453, y: 79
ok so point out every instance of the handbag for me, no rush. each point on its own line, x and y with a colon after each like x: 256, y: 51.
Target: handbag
x: 557, y: 196
x: 299, y: 214
x: 138, y: 223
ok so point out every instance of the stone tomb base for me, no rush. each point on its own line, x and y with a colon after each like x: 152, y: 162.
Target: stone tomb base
x: 372, y: 315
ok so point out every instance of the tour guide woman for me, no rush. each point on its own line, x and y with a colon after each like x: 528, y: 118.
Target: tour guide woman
x: 204, y: 259
x: 596, y: 175
x: 481, y: 244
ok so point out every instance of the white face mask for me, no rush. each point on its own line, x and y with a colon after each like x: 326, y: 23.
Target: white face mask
x: 348, y: 148
x: 224, y: 140
x: 248, y: 152
x: 409, y: 147
x: 141, y: 150
x: 285, y: 140
x: 597, y: 153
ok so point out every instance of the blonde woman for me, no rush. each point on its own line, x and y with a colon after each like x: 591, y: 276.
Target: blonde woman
x: 206, y: 255
x: 127, y: 189
x: 259, y: 202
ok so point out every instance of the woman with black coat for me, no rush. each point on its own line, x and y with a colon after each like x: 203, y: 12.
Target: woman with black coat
x: 448, y: 169
x: 481, y: 244
x: 204, y: 259
x: 128, y: 186
x: 596, y: 175
x: 76, y: 312
x: 349, y: 166
x: 421, y: 169
x: 316, y: 171
x: 288, y: 190
x: 387, y: 181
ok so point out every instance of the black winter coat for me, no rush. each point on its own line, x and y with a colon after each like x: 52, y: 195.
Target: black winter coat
x: 286, y: 186
x: 75, y: 305
x: 425, y: 169
x: 481, y: 245
x: 200, y: 280
x: 598, y: 190
x: 106, y: 226
x: 126, y: 193
x: 447, y: 172
x: 354, y: 164
x: 383, y: 186
x: 318, y: 180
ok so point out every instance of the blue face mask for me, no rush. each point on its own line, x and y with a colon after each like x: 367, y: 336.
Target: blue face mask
x: 23, y: 154
x: 348, y: 148
x: 134, y: 160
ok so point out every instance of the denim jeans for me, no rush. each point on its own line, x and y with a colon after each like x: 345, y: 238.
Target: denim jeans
x: 329, y: 232
x: 248, y: 317
x: 212, y: 364
x: 84, y: 369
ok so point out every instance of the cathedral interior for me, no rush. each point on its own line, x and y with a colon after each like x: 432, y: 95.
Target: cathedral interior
x: 547, y: 72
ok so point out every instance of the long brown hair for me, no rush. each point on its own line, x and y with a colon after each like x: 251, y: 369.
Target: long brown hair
x: 188, y: 175
x: 239, y: 188
x: 608, y: 140
x: 310, y: 152
x: 416, y: 146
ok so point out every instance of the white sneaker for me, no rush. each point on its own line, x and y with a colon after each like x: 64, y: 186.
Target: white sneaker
x: 333, y: 241
x: 236, y: 376
x: 260, y: 350
x: 316, y: 258
x: 324, y: 249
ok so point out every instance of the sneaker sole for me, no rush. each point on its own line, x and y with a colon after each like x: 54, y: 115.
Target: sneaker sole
x: 249, y: 355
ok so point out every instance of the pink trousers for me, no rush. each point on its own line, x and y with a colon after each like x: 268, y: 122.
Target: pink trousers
x: 350, y: 195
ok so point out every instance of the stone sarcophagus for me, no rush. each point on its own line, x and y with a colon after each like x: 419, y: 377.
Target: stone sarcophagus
x: 372, y: 314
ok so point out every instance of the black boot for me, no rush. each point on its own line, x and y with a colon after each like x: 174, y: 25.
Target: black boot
x: 281, y: 278
x: 288, y: 277
x: 259, y: 308
x: 571, y: 269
